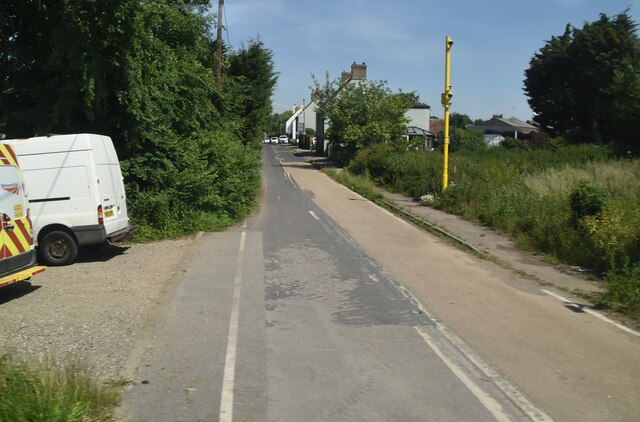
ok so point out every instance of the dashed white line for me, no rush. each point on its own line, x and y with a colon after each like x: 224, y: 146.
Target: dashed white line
x: 313, y: 214
x: 593, y: 313
x: 228, y: 380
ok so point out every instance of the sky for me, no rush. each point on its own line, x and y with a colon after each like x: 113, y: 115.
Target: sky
x: 402, y: 42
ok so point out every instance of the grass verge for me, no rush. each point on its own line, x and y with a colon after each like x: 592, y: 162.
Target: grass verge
x: 46, y: 391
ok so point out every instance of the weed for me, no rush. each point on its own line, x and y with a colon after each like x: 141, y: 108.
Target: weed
x: 46, y: 391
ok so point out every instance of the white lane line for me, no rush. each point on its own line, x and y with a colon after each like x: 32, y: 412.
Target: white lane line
x: 287, y: 176
x: 593, y: 313
x: 313, y: 214
x: 486, y: 400
x: 229, y: 378
x: 510, y: 390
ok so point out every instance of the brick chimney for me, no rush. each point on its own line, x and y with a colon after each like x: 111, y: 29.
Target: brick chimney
x: 359, y: 71
x: 345, y: 76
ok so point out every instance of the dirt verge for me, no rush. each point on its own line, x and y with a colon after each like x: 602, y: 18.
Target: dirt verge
x: 93, y: 309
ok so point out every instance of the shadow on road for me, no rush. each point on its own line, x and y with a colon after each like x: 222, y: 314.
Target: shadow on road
x: 16, y: 291
x: 101, y: 253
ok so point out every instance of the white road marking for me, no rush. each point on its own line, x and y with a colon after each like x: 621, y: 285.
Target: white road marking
x: 287, y: 176
x: 313, y: 214
x: 486, y: 400
x: 593, y: 313
x: 510, y: 390
x: 228, y: 380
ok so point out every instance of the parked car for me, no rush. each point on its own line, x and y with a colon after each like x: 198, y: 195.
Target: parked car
x: 76, y: 193
x: 283, y: 139
x: 274, y: 139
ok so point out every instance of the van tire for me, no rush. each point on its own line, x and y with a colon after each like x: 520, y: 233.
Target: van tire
x: 58, y: 248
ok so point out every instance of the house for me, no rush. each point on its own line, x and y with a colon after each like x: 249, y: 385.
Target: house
x: 436, y: 126
x: 415, y: 133
x: 419, y: 117
x: 506, y: 127
x: 307, y: 116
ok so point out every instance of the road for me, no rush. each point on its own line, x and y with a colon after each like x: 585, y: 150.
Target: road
x: 323, y: 307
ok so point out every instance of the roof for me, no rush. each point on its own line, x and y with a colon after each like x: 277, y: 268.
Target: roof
x: 416, y: 131
x: 292, y: 118
x: 513, y: 122
x: 501, y: 125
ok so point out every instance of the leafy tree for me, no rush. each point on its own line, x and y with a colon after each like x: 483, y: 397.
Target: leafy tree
x: 142, y: 73
x: 252, y: 66
x: 459, y: 120
x: 363, y: 113
x: 584, y: 79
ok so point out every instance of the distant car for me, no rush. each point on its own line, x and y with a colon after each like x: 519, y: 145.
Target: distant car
x: 283, y: 139
x: 274, y: 140
x: 266, y: 140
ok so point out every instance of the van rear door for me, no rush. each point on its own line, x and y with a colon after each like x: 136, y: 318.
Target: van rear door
x: 15, y: 227
x: 112, y: 192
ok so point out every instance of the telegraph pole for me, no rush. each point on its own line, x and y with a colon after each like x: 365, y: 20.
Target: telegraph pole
x: 219, y: 45
x: 445, y: 98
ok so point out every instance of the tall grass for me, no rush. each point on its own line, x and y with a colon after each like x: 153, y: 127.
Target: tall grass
x: 47, y: 392
x: 527, y: 195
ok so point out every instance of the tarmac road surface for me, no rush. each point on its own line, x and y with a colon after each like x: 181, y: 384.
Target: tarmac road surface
x: 324, y: 307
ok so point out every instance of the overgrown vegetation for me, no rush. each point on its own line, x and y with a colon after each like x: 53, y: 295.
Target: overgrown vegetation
x: 142, y: 72
x: 578, y: 204
x: 48, y: 392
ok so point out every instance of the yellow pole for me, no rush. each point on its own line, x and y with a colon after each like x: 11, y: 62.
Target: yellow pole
x: 446, y: 103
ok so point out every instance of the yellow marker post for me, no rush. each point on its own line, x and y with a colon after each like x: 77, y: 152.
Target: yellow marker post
x: 446, y: 103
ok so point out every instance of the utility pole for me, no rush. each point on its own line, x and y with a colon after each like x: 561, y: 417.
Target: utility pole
x: 445, y: 98
x: 219, y: 45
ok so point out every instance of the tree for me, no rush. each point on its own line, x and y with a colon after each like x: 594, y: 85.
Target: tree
x: 363, y: 113
x: 142, y: 73
x: 459, y: 120
x: 584, y: 80
x: 253, y: 70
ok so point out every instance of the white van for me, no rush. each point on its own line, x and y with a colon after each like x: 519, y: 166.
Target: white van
x: 76, y: 193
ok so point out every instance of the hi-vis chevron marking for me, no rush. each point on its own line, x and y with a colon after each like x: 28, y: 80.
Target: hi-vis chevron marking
x: 7, y: 155
x: 16, y: 234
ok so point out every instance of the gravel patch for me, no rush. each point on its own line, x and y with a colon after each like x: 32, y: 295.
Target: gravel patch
x: 92, y: 310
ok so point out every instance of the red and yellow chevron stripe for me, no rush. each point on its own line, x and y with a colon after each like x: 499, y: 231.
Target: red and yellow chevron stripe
x: 7, y: 155
x: 16, y: 239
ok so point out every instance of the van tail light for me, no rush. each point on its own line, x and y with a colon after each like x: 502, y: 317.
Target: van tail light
x: 100, y: 215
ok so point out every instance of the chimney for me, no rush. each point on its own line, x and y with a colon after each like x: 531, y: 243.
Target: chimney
x: 345, y: 77
x: 314, y: 95
x: 359, y: 71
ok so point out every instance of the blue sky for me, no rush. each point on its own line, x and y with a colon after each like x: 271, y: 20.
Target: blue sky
x: 402, y: 42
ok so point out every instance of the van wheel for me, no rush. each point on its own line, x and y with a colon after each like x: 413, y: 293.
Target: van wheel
x: 58, y: 248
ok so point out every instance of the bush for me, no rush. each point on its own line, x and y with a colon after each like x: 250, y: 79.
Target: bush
x: 624, y: 290
x: 574, y: 203
x: 586, y: 200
